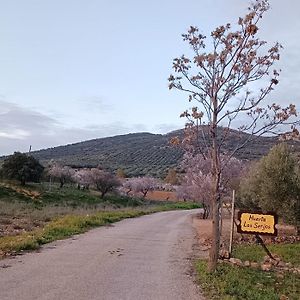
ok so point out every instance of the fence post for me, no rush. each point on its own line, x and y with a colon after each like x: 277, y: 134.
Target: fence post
x: 232, y: 222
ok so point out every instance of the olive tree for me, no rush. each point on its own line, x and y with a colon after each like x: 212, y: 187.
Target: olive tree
x: 22, y: 167
x: 273, y: 184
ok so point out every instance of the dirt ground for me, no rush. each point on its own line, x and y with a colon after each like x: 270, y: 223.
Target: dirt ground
x: 14, y: 225
x: 286, y: 233
x: 162, y: 195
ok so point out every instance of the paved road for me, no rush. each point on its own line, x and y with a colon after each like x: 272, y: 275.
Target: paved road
x: 135, y: 259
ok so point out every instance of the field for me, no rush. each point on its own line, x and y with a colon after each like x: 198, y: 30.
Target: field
x: 20, y: 213
x: 39, y: 214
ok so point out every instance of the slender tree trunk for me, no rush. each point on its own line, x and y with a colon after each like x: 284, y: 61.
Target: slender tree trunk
x: 215, y: 202
x: 205, y: 211
x: 61, y: 183
x: 215, y: 244
x: 103, y: 192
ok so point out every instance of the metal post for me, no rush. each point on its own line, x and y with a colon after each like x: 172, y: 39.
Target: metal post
x: 232, y: 223
x: 259, y: 240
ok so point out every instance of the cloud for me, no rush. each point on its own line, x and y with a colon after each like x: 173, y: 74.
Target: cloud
x: 17, y: 134
x: 165, y: 128
x: 14, y: 116
x: 96, y: 103
x: 21, y: 127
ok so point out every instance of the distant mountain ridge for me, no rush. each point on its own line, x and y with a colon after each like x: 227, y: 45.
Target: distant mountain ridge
x: 141, y: 153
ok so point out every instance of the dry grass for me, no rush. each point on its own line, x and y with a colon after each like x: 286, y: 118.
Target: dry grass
x: 162, y: 196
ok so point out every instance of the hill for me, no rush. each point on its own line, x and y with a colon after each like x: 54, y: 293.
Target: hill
x: 142, y: 153
x: 137, y: 154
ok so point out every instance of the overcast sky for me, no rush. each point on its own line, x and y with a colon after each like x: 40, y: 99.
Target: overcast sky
x: 72, y: 70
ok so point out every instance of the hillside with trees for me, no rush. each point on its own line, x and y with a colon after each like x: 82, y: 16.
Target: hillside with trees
x: 135, y: 154
x: 141, y: 154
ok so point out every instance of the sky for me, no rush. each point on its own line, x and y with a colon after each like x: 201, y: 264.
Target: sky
x: 73, y: 70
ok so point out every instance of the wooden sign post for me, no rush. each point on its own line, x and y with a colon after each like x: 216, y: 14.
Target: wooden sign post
x: 258, y: 223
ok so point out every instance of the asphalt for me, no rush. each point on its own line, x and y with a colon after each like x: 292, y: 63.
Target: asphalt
x: 136, y: 259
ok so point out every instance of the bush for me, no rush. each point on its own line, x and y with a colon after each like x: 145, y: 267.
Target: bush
x: 22, y: 167
x: 273, y: 184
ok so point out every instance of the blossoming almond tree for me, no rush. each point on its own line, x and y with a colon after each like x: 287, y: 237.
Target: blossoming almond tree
x: 104, y: 181
x: 197, y: 183
x: 231, y: 79
x: 141, y: 185
x: 83, y: 177
x: 62, y: 173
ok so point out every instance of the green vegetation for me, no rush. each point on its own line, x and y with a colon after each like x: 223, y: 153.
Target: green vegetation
x: 67, y: 198
x: 287, y: 252
x: 233, y: 282
x: 135, y: 154
x: 22, y: 167
x: 273, y: 184
x: 26, y: 222
x: 141, y: 154
x: 69, y: 225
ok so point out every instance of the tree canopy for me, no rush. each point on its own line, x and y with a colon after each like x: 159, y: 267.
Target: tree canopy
x: 104, y: 181
x: 172, y: 177
x: 62, y: 173
x: 22, y: 167
x: 273, y: 184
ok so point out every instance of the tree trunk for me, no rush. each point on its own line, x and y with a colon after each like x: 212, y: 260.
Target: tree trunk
x: 215, y: 243
x: 215, y: 201
x: 61, y: 183
x: 104, y: 192
x: 206, y: 211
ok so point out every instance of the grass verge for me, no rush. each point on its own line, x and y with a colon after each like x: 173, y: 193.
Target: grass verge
x: 234, y: 282
x: 69, y: 225
x: 287, y: 252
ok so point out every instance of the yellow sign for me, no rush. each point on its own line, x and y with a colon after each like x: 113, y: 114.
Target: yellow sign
x: 258, y: 223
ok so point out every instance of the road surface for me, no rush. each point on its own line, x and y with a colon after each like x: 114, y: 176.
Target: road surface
x: 135, y: 259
